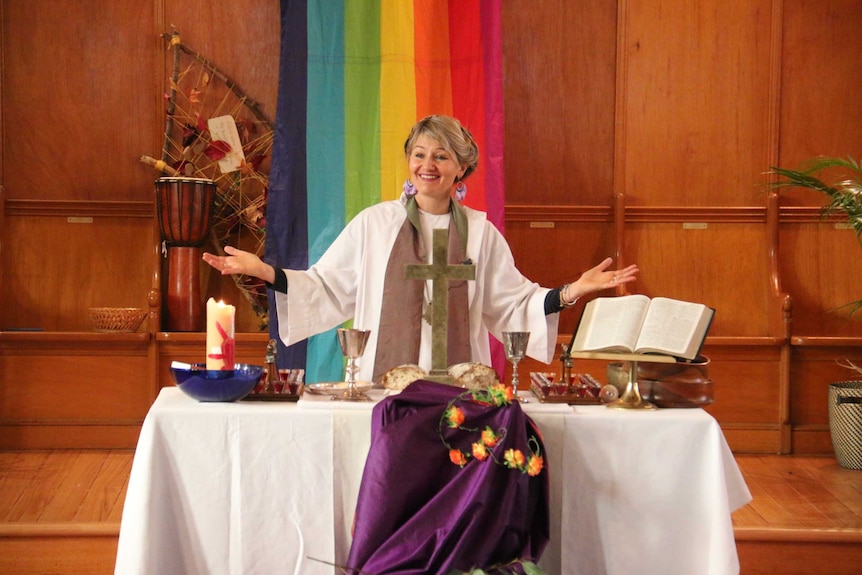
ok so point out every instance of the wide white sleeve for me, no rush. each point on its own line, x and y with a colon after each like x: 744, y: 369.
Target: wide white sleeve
x: 324, y: 296
x: 512, y: 302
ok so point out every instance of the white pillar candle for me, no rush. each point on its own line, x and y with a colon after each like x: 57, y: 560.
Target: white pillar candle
x: 220, y: 335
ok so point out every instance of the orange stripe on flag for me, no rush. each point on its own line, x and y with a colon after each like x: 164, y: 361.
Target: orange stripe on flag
x: 431, y: 51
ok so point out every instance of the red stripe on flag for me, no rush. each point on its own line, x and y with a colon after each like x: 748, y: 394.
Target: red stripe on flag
x: 468, y: 85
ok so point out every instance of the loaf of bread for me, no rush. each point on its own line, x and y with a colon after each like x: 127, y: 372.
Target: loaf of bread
x: 400, y: 377
x: 473, y: 375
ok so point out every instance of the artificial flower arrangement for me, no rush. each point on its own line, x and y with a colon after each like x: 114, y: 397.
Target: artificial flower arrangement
x: 482, y: 449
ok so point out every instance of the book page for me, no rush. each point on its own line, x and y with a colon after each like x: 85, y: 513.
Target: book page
x: 611, y: 323
x: 674, y: 327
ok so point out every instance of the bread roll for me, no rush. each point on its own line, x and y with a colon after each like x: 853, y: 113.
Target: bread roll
x: 473, y: 375
x: 400, y: 377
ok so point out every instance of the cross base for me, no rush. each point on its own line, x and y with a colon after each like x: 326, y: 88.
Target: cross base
x: 441, y: 376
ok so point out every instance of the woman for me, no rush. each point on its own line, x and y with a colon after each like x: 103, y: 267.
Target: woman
x: 361, y: 275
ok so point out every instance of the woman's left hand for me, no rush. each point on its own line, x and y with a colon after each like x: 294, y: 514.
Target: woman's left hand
x: 601, y: 278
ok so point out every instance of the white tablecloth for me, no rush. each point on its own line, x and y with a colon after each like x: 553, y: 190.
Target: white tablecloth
x: 648, y: 492
x: 262, y: 487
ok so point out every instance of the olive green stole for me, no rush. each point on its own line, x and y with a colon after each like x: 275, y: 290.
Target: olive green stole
x: 400, y: 326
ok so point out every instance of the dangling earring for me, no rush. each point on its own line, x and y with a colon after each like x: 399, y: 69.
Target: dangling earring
x: 408, y: 188
x: 460, y: 191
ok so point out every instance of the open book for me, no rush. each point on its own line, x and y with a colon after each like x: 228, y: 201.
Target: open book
x: 638, y: 324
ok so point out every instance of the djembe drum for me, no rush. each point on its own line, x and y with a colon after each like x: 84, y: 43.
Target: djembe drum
x: 185, y: 207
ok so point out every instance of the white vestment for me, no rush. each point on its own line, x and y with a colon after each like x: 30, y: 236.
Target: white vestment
x: 347, y: 282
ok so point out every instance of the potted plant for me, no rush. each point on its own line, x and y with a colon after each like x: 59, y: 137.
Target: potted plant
x: 844, y: 192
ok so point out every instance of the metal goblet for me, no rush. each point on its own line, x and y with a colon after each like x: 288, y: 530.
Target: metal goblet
x: 515, y: 344
x: 352, y: 342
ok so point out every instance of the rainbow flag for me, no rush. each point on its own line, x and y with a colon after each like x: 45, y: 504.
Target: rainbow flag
x: 355, y: 75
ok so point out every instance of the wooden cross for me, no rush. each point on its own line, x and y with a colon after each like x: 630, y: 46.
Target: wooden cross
x: 440, y: 272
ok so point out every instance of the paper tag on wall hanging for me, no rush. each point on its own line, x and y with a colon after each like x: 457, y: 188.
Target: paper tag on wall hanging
x: 224, y: 128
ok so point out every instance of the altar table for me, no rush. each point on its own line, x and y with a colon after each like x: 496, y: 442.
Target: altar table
x: 270, y: 487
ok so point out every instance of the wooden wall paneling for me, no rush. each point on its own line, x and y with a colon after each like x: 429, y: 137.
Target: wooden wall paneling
x: 552, y: 256
x: 72, y: 122
x: 747, y: 390
x: 63, y: 390
x: 241, y: 38
x: 713, y: 262
x: 3, y: 232
x: 745, y: 378
x: 816, y: 364
x: 57, y: 269
x: 821, y: 264
x: 780, y: 308
x: 609, y: 133
x: 71, y: 134
x: 694, y: 110
x: 821, y: 83
x: 723, y: 266
x: 558, y: 63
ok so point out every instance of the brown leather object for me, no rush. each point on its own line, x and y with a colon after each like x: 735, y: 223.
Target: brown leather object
x: 677, y: 384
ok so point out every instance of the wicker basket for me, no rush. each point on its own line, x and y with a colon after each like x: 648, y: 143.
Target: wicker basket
x: 114, y: 319
x: 845, y: 422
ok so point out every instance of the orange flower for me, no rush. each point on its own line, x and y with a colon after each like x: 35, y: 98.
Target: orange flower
x: 455, y: 416
x: 457, y: 457
x: 509, y: 394
x: 479, y: 451
x: 534, y: 465
x: 489, y: 438
x: 514, y: 458
x: 499, y: 395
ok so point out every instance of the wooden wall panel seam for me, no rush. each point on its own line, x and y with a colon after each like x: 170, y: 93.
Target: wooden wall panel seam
x: 72, y: 208
x: 6, y: 422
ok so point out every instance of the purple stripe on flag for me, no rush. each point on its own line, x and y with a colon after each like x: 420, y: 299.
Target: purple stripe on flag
x: 286, y: 244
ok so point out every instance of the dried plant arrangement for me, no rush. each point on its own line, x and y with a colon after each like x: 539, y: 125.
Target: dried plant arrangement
x: 215, y: 131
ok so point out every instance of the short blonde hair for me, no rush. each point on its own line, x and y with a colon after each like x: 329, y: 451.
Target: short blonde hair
x: 453, y: 137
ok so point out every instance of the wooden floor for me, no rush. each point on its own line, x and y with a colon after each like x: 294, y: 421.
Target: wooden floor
x: 60, y: 513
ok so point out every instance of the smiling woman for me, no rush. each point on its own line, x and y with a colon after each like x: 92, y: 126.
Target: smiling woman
x: 440, y: 154
x: 362, y: 274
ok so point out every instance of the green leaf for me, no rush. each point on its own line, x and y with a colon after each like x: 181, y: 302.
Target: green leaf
x: 531, y: 568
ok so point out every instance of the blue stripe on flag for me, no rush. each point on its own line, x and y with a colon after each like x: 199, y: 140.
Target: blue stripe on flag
x: 325, y: 144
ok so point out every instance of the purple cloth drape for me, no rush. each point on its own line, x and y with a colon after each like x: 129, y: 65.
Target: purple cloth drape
x: 418, y: 513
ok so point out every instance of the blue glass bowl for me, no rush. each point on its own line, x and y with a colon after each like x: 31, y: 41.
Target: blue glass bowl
x: 216, y: 385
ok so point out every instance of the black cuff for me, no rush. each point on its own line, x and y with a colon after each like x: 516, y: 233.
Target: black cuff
x: 280, y: 282
x: 552, y: 302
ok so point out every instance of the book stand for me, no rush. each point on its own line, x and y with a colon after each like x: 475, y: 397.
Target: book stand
x: 631, y: 397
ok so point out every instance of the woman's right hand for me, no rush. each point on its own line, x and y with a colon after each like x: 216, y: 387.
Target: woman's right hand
x: 240, y: 262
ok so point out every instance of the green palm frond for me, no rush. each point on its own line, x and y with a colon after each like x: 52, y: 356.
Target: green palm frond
x: 845, y: 194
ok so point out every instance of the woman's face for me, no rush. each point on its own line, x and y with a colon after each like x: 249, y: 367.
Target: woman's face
x: 433, y: 171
